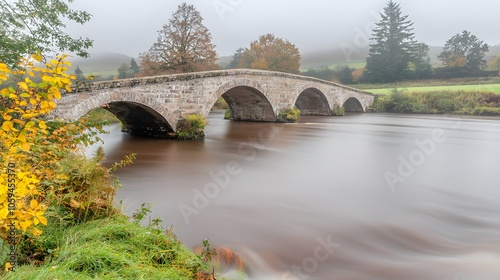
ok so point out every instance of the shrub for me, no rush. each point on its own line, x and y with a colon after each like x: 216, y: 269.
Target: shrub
x: 441, y: 102
x: 338, y: 111
x: 289, y: 115
x: 228, y: 114
x: 191, y: 127
x: 486, y: 111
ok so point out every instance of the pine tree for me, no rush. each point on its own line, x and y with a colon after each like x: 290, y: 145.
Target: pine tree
x: 79, y: 74
x: 393, y: 49
x: 183, y: 45
x: 124, y: 71
x: 134, y: 68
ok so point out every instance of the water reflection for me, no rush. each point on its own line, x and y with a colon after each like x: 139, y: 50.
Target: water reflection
x: 324, y: 178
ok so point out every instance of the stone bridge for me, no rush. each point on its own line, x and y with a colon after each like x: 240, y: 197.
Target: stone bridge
x: 154, y: 106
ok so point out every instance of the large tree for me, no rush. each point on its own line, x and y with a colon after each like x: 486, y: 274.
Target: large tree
x: 271, y: 53
x: 464, y: 53
x: 235, y: 60
x: 28, y: 26
x: 183, y: 45
x: 421, y: 63
x: 393, y: 48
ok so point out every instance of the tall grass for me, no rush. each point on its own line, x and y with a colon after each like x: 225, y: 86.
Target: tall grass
x: 113, y: 248
x: 458, y: 102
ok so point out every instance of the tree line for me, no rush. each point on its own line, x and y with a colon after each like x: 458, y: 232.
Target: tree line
x: 184, y: 44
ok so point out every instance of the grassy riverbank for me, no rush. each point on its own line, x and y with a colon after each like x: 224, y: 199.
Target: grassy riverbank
x: 109, y: 248
x: 494, y: 88
x: 88, y: 237
x: 439, y: 102
x: 490, y: 84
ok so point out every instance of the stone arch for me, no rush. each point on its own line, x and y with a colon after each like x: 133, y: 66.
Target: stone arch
x: 139, y: 114
x: 352, y: 104
x: 312, y: 101
x: 247, y: 100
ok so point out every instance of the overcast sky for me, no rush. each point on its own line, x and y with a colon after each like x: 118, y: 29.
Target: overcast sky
x: 130, y: 26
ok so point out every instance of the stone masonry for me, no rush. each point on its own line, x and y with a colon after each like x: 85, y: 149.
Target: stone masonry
x: 154, y: 105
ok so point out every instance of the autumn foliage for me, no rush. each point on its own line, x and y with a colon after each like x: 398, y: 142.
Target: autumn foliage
x: 31, y: 148
x: 271, y: 53
x: 183, y: 45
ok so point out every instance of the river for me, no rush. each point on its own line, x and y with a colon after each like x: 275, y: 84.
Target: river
x: 364, y: 196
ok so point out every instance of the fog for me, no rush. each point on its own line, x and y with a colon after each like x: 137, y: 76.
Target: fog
x: 130, y: 27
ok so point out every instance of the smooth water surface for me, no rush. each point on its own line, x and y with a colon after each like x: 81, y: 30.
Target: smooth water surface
x: 364, y: 196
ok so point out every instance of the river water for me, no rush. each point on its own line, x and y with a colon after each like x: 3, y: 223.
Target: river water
x: 364, y: 196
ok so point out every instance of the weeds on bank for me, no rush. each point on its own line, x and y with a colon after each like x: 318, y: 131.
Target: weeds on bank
x: 473, y: 103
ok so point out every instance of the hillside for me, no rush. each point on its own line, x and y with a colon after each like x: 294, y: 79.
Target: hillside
x: 103, y: 64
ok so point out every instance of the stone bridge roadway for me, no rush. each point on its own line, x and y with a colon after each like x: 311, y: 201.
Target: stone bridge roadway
x: 154, y: 105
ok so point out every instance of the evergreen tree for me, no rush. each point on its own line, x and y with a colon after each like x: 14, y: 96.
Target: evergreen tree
x: 124, y: 71
x: 393, y: 48
x: 79, y: 74
x: 235, y: 61
x: 421, y: 63
x: 134, y: 68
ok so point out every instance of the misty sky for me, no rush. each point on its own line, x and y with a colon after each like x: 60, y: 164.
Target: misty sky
x: 130, y: 27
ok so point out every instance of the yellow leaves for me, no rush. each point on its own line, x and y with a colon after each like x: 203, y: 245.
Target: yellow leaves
x: 57, y: 94
x: 8, y: 266
x: 38, y: 57
x: 4, y: 70
x: 44, y: 104
x: 42, y: 125
x: 33, y: 204
x: 26, y: 146
x: 23, y: 86
x: 36, y: 232
x: 7, y: 126
x: 24, y: 136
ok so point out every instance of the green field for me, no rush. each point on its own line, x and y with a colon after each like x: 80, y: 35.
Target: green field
x: 484, y: 88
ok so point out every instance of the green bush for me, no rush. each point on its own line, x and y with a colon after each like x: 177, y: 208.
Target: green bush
x: 289, y: 115
x: 228, y: 114
x: 338, y: 111
x: 191, y: 127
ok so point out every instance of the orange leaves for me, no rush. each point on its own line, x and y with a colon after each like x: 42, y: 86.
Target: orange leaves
x: 271, y: 53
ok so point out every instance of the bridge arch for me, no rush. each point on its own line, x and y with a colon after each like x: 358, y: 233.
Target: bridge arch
x: 312, y: 101
x: 352, y: 104
x: 141, y: 115
x: 246, y: 99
